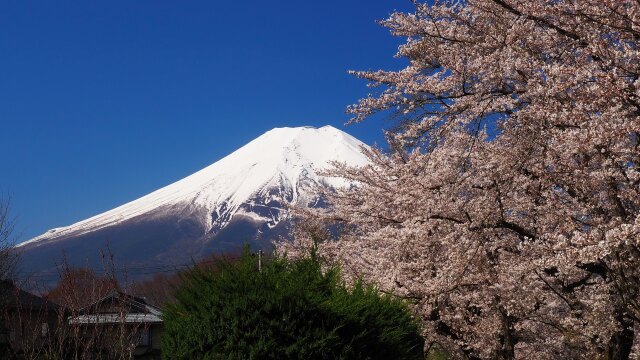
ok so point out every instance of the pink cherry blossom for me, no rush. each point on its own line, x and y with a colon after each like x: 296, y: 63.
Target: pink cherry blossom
x: 508, y: 208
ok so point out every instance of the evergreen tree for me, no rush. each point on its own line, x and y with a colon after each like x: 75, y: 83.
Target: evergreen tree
x: 288, y: 310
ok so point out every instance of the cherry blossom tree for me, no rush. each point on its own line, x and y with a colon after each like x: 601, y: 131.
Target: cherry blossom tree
x: 508, y: 206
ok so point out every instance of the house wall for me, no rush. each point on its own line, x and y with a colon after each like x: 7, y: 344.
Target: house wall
x: 104, y: 339
x: 24, y: 329
x: 156, y: 336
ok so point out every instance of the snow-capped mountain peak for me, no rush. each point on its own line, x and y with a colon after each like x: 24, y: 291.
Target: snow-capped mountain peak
x: 276, y: 166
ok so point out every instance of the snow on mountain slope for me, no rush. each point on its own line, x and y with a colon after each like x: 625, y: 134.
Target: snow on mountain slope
x: 279, y: 163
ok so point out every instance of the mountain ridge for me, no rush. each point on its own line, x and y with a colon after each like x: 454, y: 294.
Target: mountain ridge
x: 251, y: 186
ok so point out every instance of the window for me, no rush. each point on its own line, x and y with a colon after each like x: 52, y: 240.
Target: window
x: 143, y: 337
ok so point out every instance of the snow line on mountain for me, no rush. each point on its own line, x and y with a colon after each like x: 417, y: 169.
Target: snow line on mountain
x: 281, y: 157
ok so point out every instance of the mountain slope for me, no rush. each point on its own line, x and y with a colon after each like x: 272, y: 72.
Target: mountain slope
x: 240, y: 198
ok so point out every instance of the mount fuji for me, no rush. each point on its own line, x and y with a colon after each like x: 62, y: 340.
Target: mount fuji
x: 242, y: 198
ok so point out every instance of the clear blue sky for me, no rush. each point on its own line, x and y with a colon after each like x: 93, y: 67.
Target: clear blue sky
x: 102, y: 102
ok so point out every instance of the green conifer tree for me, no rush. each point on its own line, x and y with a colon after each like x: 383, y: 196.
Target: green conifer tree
x: 288, y: 310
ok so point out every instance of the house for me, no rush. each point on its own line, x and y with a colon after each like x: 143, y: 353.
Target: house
x: 120, y: 323
x: 27, y: 321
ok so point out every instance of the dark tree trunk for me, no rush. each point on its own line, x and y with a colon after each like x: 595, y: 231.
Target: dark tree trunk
x: 621, y: 342
x: 508, y: 339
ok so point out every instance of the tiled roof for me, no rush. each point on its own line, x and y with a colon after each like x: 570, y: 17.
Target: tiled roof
x: 114, y: 319
x: 12, y: 297
x: 137, y: 311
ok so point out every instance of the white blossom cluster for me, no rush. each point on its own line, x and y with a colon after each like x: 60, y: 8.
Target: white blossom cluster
x: 508, y: 211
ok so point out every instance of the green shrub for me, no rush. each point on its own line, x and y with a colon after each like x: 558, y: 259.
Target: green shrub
x: 289, y: 310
